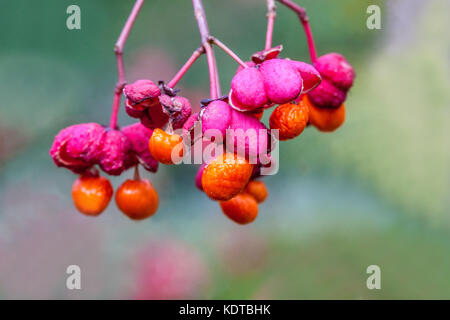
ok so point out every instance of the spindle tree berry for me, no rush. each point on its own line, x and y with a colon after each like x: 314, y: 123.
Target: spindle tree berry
x: 236, y: 145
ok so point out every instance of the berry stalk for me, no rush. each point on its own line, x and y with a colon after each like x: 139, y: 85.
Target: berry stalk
x: 227, y: 50
x: 301, y: 13
x: 118, y: 50
x: 204, y: 35
x: 136, y: 175
x: 271, y: 15
x: 195, y: 55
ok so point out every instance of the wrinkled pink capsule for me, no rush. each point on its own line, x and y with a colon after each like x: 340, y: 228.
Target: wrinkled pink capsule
x: 115, y: 153
x: 155, y: 117
x: 77, y: 147
x: 132, y: 111
x: 143, y: 92
x: 335, y: 68
x: 311, y: 77
x: 178, y: 108
x: 282, y: 81
x: 326, y: 95
x: 248, y: 134
x: 247, y: 90
x: 139, y: 136
x: 216, y: 115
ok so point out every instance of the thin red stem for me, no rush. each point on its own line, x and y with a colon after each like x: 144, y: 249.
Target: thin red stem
x: 271, y: 15
x: 310, y: 39
x: 204, y: 34
x: 118, y: 50
x: 301, y: 13
x: 136, y: 175
x: 195, y: 55
x: 227, y: 50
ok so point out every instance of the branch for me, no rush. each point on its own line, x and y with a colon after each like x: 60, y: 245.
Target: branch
x: 204, y: 34
x: 227, y: 50
x: 301, y: 13
x: 271, y: 15
x: 197, y: 53
x: 118, y: 50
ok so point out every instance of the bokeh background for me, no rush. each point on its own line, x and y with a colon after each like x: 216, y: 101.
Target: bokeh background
x: 374, y: 192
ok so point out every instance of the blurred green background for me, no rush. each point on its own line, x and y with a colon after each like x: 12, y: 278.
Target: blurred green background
x: 375, y: 192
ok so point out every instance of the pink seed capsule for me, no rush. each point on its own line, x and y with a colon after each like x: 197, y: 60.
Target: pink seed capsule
x: 77, y: 147
x: 177, y: 108
x: 139, y: 136
x: 282, y: 81
x: 142, y: 92
x: 247, y: 90
x: 116, y: 152
x: 335, y: 68
x: 326, y: 95
x: 155, y: 117
x: 216, y: 115
x: 311, y: 77
x: 248, y: 135
x: 132, y: 111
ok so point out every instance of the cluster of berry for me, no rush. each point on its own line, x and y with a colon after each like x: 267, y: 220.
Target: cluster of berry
x: 83, y: 146
x: 302, y: 93
x: 292, y: 85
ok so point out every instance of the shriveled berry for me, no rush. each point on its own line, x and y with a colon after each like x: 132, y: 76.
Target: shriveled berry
x: 185, y: 113
x: 134, y: 112
x: 177, y: 108
x: 165, y: 147
x: 325, y: 119
x: 139, y: 135
x: 242, y: 208
x: 116, y: 152
x: 78, y: 147
x: 91, y: 194
x: 137, y: 199
x: 226, y: 176
x: 257, y: 189
x: 290, y: 119
x: 142, y: 93
x: 155, y: 117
